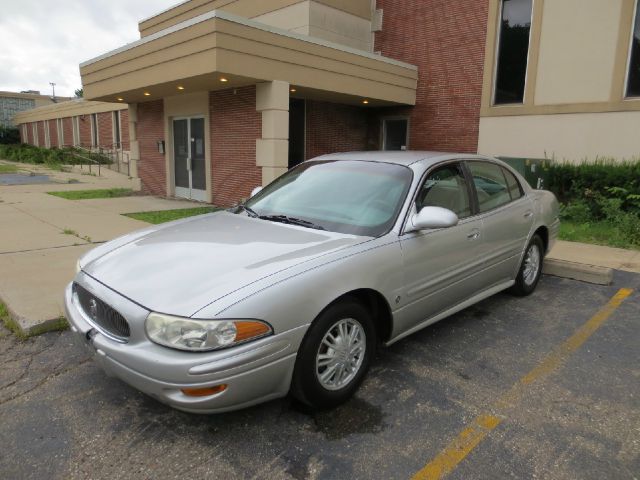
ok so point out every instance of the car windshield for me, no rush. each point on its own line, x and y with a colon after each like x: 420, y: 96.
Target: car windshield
x: 354, y: 197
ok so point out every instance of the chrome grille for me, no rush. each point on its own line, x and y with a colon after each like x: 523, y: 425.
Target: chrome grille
x: 102, y: 314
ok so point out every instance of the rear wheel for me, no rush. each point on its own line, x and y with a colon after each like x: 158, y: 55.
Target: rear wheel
x: 334, y: 356
x: 530, y: 269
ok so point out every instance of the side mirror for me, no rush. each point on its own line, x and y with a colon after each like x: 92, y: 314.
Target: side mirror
x: 433, y: 217
x: 255, y: 191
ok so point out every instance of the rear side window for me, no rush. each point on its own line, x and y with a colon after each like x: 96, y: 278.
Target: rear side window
x: 512, y: 183
x: 491, y: 185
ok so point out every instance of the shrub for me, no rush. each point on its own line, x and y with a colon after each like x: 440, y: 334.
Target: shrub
x: 51, y: 156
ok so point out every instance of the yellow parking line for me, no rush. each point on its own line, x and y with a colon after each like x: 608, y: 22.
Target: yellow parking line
x: 447, y: 460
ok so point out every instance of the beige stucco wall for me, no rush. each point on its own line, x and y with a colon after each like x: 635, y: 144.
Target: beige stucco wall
x: 323, y: 21
x: 572, y: 137
x: 244, y: 8
x: 577, y: 51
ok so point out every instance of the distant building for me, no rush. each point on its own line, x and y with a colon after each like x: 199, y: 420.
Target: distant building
x: 14, y: 102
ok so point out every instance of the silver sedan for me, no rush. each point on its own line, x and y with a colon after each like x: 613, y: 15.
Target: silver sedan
x: 292, y: 291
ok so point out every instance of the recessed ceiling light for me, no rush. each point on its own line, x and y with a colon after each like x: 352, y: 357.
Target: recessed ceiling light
x: 222, y: 79
x: 120, y: 99
x: 365, y: 101
x: 146, y: 94
x: 180, y: 87
x: 293, y: 90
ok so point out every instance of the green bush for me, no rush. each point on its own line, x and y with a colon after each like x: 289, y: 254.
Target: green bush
x: 606, y: 177
x: 24, y: 153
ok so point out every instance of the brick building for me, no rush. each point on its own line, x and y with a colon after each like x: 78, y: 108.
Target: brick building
x: 223, y: 95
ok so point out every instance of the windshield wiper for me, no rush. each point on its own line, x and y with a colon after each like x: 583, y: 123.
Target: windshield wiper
x: 292, y: 221
x: 249, y: 211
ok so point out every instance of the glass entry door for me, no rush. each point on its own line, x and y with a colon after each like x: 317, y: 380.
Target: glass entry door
x: 189, y: 158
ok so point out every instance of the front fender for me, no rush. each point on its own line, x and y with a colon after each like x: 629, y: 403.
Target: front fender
x: 297, y: 300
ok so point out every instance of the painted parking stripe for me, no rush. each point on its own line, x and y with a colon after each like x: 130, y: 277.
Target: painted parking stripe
x: 447, y: 460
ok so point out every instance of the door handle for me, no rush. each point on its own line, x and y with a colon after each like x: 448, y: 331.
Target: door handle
x: 528, y: 214
x: 189, y: 165
x: 474, y: 235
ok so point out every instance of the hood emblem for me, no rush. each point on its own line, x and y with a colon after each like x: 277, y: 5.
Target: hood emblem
x: 93, y: 309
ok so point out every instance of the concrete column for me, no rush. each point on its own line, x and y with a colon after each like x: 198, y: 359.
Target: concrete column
x: 272, y: 150
x: 134, y: 145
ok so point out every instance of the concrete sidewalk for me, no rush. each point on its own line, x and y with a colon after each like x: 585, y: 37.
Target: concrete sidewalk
x: 42, y: 236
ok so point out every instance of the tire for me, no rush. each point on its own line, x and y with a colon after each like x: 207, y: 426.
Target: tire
x: 316, y: 358
x: 530, y: 269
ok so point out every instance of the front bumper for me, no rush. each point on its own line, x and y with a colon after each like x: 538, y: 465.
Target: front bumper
x: 254, y: 372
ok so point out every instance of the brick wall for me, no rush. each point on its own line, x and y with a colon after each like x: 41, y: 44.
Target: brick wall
x: 124, y: 129
x: 331, y: 127
x: 85, y: 130
x: 67, y: 128
x: 41, y: 139
x: 150, y: 130
x: 105, y: 129
x: 53, y: 133
x: 235, y: 126
x: 446, y: 40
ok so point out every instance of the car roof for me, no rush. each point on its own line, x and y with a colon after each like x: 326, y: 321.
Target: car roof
x: 408, y: 157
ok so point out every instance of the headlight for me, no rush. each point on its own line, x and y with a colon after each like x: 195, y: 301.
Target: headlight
x: 202, y: 335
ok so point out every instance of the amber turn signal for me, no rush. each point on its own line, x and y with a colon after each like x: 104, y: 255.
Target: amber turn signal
x: 203, y: 392
x: 249, y: 329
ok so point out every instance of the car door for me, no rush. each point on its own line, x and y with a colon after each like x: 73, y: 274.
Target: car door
x: 507, y: 216
x: 440, y: 265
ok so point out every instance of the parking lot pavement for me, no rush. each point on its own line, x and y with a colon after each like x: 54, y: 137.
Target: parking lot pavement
x: 558, y: 372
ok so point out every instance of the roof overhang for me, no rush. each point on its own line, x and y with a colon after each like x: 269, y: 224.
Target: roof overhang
x: 66, y: 109
x: 196, y: 53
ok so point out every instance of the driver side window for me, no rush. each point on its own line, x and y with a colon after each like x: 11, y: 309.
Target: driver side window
x: 445, y: 187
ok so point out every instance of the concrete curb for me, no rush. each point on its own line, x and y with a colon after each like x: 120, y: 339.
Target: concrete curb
x: 24, y: 328
x: 578, y: 271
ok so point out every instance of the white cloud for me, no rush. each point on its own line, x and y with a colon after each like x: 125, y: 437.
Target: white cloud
x: 46, y: 41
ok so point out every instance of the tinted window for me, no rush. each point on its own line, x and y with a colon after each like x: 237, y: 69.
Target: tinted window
x: 512, y: 183
x: 445, y: 187
x: 356, y: 197
x: 491, y: 185
x: 513, y: 51
x: 633, y: 85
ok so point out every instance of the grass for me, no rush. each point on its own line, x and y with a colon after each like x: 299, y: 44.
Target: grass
x: 87, y: 194
x: 170, y: 215
x: 597, y: 233
x: 4, y: 168
x: 12, y: 325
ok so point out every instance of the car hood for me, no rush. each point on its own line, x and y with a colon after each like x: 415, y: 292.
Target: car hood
x: 180, y: 268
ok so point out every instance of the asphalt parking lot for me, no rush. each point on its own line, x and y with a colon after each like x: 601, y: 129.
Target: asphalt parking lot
x: 542, y: 387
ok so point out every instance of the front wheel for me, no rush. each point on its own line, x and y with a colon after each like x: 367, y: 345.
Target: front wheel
x: 334, y: 356
x: 530, y: 269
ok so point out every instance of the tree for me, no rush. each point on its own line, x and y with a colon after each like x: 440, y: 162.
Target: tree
x: 79, y: 92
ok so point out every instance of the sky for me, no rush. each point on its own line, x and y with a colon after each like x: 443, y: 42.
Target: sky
x: 44, y: 41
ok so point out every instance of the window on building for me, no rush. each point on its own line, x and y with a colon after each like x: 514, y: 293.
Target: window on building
x: 633, y: 82
x: 94, y: 129
x: 395, y: 133
x: 513, y: 51
x: 116, y: 129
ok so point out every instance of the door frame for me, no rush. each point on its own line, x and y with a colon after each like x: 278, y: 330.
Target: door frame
x: 182, y: 192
